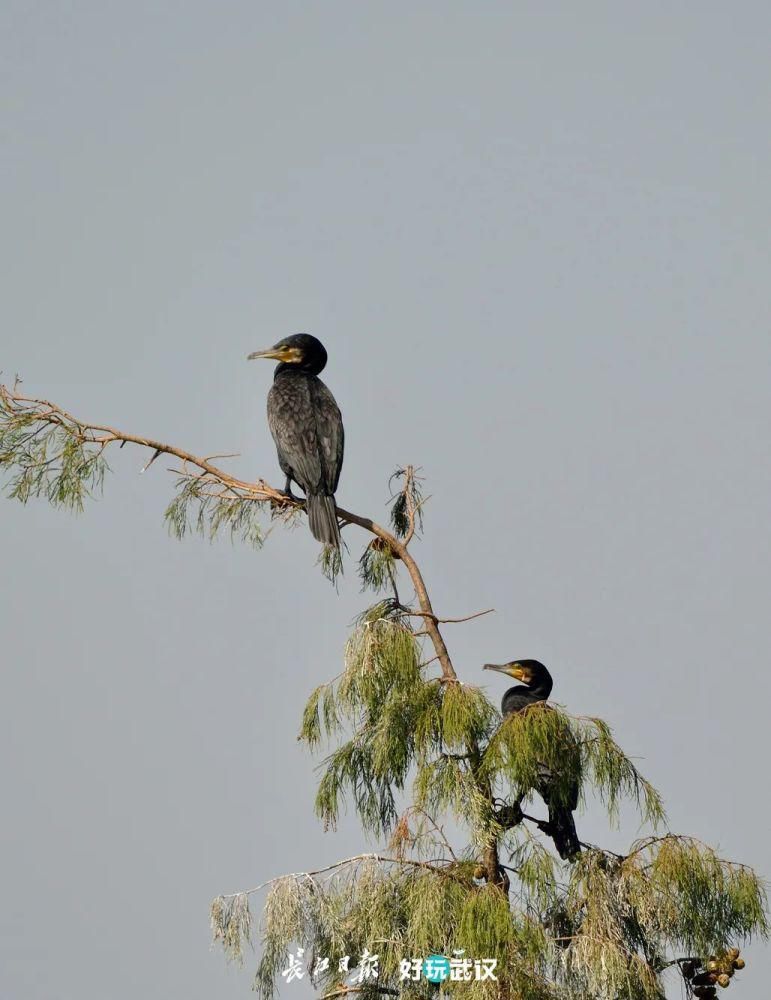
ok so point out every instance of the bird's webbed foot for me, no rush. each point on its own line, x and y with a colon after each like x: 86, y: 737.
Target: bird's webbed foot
x: 278, y: 503
x: 287, y: 491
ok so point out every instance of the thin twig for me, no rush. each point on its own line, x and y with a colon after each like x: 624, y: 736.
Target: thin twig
x: 409, y: 477
x: 343, y: 990
x: 156, y: 453
x: 438, y: 829
x: 444, y: 621
x: 430, y: 865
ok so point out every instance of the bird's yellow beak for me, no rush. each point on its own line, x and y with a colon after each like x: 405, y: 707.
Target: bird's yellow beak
x: 513, y: 669
x: 281, y: 352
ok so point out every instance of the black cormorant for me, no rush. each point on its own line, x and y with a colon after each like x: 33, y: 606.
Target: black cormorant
x: 306, y: 425
x: 536, y: 686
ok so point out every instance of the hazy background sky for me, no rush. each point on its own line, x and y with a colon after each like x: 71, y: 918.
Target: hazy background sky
x: 535, y: 241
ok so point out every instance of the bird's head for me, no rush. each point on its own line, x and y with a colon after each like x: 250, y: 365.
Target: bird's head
x: 532, y: 673
x: 301, y: 351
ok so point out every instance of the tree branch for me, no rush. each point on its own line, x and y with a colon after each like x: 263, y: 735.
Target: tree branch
x: 445, y: 621
x: 19, y: 411
x: 345, y: 990
x: 383, y: 859
x: 27, y: 409
x: 409, y: 479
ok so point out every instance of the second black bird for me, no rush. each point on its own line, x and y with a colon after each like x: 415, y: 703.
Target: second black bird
x: 307, y: 427
x: 536, y: 686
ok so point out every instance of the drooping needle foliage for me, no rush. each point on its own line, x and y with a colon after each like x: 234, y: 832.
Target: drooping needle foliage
x: 416, y: 753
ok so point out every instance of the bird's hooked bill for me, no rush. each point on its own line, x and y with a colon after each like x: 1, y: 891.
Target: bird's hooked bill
x: 513, y: 669
x: 279, y: 352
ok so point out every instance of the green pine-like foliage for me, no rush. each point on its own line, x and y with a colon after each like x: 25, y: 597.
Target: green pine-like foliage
x: 415, y: 755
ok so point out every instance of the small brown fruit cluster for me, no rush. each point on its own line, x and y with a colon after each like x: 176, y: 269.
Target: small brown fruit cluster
x: 718, y: 970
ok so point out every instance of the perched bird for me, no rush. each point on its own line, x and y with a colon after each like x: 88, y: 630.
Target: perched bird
x: 536, y: 686
x: 307, y: 427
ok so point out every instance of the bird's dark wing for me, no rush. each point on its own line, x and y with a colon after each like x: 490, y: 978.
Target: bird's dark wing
x: 329, y: 428
x: 292, y: 423
x: 569, y: 755
x: 562, y: 828
x: 545, y: 787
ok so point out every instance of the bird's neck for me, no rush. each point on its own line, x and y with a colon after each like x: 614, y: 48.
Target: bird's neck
x: 526, y: 693
x: 541, y: 690
x: 294, y: 369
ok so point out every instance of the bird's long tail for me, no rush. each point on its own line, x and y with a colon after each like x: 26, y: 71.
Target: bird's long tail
x: 563, y: 831
x: 323, y: 519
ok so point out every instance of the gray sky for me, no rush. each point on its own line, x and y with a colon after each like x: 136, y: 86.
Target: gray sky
x: 535, y: 241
